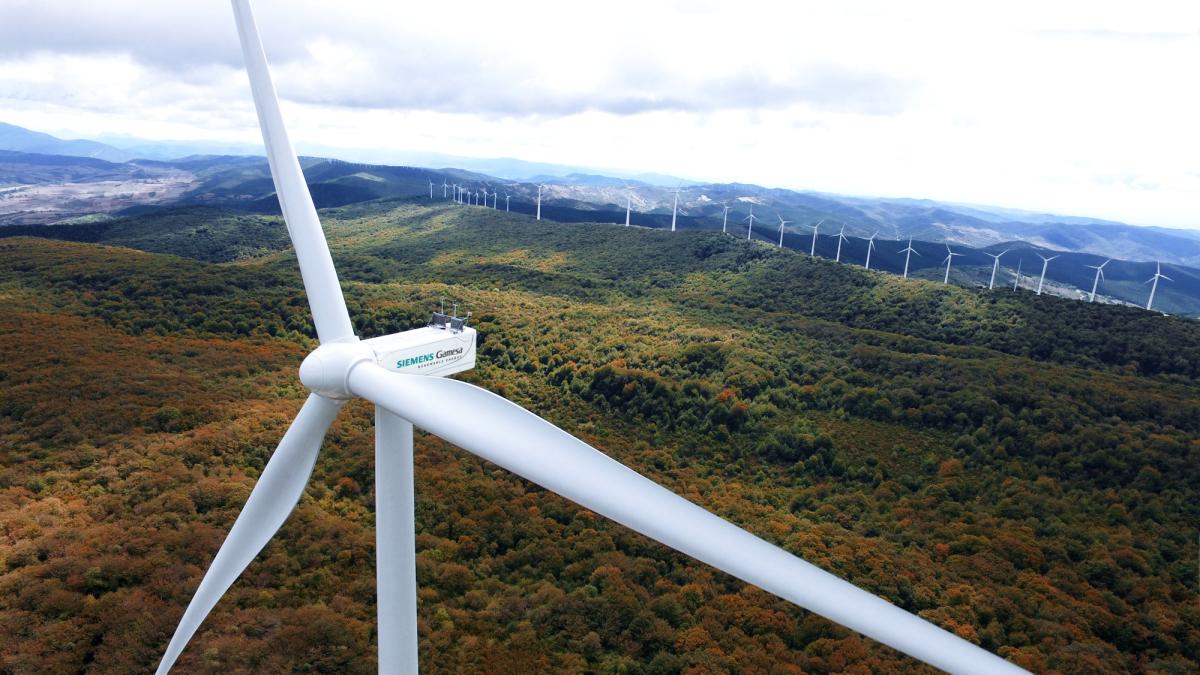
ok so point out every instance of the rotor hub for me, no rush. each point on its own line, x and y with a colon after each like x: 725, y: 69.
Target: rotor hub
x: 326, y: 371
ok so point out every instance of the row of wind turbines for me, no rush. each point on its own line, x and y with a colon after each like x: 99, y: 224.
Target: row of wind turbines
x: 466, y: 196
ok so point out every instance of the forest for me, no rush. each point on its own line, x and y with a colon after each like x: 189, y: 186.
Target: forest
x: 1020, y: 470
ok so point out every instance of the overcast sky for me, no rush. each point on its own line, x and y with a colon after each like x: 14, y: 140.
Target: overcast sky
x: 1080, y: 108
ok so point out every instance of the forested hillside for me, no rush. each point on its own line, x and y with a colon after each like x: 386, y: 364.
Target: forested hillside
x: 1020, y: 470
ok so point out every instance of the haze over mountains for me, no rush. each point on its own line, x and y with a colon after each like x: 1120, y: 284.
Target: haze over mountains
x: 46, y: 180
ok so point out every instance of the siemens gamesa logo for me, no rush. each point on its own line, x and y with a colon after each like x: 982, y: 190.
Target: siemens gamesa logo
x: 414, y: 360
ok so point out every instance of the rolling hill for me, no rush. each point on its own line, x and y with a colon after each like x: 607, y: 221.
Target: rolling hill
x: 190, y: 230
x: 1018, y: 469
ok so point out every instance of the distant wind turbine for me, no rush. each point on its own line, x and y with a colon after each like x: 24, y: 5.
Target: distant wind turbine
x: 995, y: 266
x: 506, y: 197
x: 907, y: 251
x: 485, y: 196
x: 813, y: 251
x: 841, y: 236
x: 431, y: 189
x: 949, y: 258
x: 628, y: 206
x: 870, y: 247
x: 1099, y: 275
x: 750, y: 230
x: 1154, y: 283
x: 674, y: 209
x: 539, y: 204
x: 1045, y: 264
x: 444, y: 186
x: 782, y: 222
x: 724, y: 216
x: 1017, y: 280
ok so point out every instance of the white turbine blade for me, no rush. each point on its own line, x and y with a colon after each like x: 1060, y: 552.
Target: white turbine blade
x: 516, y: 439
x: 272, y: 500
x: 316, y: 267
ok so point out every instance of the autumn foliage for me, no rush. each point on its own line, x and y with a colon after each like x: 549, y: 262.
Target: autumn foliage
x: 1036, y: 499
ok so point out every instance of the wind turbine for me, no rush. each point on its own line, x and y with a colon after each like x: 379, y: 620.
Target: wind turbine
x: 506, y: 197
x: 1154, y: 283
x: 495, y: 200
x: 1017, y: 280
x: 724, y: 216
x: 431, y: 189
x: 907, y: 251
x: 782, y: 222
x: 539, y: 203
x: 628, y: 206
x: 995, y: 266
x: 485, y: 195
x: 750, y: 230
x: 870, y: 247
x: 343, y: 367
x: 675, y: 209
x: 949, y: 258
x: 813, y: 252
x: 1045, y: 264
x: 840, y: 237
x: 1099, y: 275
x: 444, y: 186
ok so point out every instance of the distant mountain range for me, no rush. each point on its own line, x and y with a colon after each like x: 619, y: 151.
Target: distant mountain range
x: 20, y: 139
x: 44, y: 179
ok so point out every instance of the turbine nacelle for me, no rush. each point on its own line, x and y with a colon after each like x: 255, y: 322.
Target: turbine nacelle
x: 445, y: 347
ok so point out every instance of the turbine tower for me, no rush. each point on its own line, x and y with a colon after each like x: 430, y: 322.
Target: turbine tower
x: 813, y: 252
x: 870, y: 247
x: 995, y: 266
x: 539, y: 203
x: 1017, y: 279
x: 499, y: 431
x: 1045, y: 264
x: 840, y: 237
x: 506, y: 198
x: 1153, y: 281
x: 485, y: 195
x: 724, y: 217
x: 431, y: 189
x: 1099, y: 275
x: 674, y: 209
x: 949, y: 258
x: 444, y: 186
x: 907, y: 251
x: 782, y: 222
x: 750, y: 230
x: 628, y: 206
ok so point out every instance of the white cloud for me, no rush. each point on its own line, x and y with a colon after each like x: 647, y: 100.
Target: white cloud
x: 1073, y: 107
